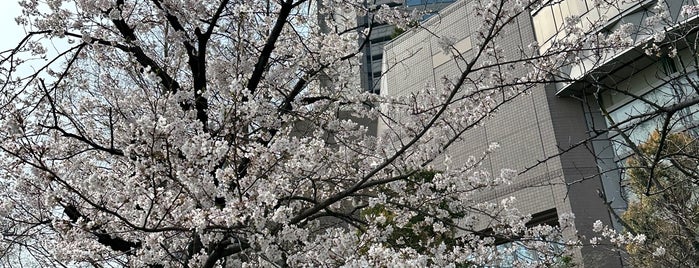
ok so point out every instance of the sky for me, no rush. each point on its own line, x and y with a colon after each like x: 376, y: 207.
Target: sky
x: 11, y: 33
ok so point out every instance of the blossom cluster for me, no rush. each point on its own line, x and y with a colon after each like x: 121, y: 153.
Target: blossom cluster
x: 176, y: 133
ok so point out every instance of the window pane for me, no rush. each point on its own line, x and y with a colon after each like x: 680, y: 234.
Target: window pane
x: 576, y: 7
x: 544, y: 25
x: 414, y: 2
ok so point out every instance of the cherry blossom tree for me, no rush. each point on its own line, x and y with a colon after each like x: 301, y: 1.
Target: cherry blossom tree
x: 227, y: 133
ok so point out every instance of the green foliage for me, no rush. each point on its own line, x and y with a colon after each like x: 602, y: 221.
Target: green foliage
x: 398, y: 31
x: 566, y: 261
x: 667, y: 209
x: 418, y: 233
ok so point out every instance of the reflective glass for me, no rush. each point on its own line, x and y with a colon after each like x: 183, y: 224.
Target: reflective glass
x: 576, y: 7
x: 413, y: 2
x: 544, y: 25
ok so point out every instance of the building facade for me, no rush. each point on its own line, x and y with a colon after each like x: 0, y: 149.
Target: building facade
x: 611, y: 101
x: 381, y: 33
x: 629, y: 93
x: 579, y: 128
x: 656, y: 71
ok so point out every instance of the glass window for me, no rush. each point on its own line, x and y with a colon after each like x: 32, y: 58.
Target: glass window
x: 576, y: 7
x: 590, y: 4
x: 565, y: 11
x: 639, y: 130
x: 544, y: 24
x: 557, y: 16
x: 669, y: 65
x: 426, y: 2
x: 414, y: 2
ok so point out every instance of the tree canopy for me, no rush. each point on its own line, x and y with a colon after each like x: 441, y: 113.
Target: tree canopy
x: 664, y: 204
x: 171, y: 133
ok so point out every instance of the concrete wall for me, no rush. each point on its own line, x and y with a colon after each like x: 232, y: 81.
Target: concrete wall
x: 532, y: 127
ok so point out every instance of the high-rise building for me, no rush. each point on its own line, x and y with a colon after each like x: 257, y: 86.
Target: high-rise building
x: 631, y: 84
x: 628, y: 94
x: 530, y: 128
x: 603, y: 108
x: 381, y: 33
